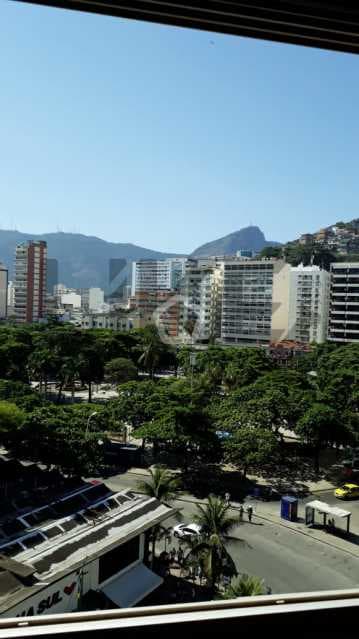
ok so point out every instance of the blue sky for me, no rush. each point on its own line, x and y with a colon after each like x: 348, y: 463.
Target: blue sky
x: 169, y: 138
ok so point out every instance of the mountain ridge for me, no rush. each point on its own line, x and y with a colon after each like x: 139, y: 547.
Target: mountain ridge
x: 83, y: 259
x: 249, y: 237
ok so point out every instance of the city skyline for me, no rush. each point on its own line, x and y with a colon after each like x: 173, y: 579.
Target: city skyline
x: 138, y: 133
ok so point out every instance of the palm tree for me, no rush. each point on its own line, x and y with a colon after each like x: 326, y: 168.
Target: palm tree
x: 161, y: 485
x: 164, y: 487
x: 209, y: 550
x: 215, y: 518
x: 244, y: 586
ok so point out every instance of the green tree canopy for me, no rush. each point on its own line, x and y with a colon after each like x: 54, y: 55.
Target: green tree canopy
x: 120, y: 370
x: 321, y: 425
x: 251, y: 448
x: 11, y: 421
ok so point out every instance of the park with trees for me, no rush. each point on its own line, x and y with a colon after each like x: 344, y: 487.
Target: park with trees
x: 230, y: 407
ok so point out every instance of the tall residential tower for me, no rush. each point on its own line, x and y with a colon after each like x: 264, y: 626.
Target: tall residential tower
x: 344, y: 302
x: 30, y: 281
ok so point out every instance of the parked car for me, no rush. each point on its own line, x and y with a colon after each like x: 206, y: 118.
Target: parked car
x: 266, y: 493
x: 186, y: 530
x: 347, y: 491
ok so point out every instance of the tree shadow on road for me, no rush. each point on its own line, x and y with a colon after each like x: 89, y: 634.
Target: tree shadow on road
x: 202, y: 480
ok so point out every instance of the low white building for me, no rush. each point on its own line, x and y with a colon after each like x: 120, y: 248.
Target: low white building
x: 114, y: 320
x: 73, y: 299
x: 89, y: 541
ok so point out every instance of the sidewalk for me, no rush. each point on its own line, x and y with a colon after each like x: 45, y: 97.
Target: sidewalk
x: 313, y: 486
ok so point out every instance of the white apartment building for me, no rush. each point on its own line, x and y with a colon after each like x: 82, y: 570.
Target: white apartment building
x: 157, y: 275
x: 92, y: 299
x: 199, y: 315
x: 11, y: 298
x: 343, y: 324
x: 267, y: 301
x: 96, y: 298
x: 249, y: 298
x: 30, y: 281
x: 308, y: 304
x: 3, y: 291
x: 60, y: 289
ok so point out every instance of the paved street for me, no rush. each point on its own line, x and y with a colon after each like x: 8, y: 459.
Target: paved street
x: 287, y: 560
x: 128, y: 480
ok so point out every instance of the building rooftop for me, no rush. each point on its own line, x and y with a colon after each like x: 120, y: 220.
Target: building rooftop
x: 51, y: 541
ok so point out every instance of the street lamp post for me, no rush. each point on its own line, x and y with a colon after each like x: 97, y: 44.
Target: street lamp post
x: 94, y: 414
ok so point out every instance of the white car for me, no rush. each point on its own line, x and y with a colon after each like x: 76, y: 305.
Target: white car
x: 186, y: 530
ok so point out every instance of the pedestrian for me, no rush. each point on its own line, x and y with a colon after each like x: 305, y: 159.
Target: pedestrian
x: 249, y: 513
x: 173, y: 555
x: 227, y: 497
x: 180, y: 556
x: 241, y: 511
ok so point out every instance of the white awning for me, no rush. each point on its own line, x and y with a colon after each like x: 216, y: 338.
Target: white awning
x: 322, y: 507
x: 130, y: 588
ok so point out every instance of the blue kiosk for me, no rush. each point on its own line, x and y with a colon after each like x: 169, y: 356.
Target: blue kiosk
x: 289, y: 508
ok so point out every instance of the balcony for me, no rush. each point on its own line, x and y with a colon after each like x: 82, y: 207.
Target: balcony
x: 267, y: 614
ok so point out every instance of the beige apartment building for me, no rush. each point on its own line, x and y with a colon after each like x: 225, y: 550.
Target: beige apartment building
x: 254, y: 301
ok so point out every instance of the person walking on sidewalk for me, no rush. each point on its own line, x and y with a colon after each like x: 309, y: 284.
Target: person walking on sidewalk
x: 250, y: 513
x: 241, y: 512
